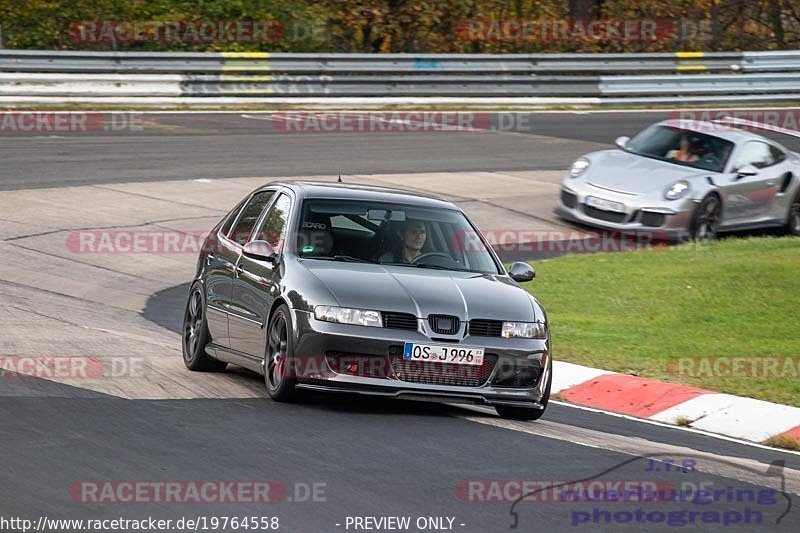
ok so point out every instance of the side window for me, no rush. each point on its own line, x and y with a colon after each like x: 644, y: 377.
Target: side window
x: 755, y: 153
x: 274, y: 229
x: 249, y: 216
x: 777, y: 153
x: 231, y: 218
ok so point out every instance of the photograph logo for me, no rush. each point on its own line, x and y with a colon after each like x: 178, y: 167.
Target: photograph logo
x: 689, y: 493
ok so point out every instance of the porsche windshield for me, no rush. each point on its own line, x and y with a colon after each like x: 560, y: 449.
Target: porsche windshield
x: 405, y: 235
x: 682, y: 147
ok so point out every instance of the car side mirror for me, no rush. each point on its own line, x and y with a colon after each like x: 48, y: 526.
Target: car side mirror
x: 746, y: 170
x: 260, y: 251
x: 521, y: 272
x: 622, y: 142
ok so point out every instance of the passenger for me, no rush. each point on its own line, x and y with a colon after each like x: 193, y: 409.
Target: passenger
x: 412, y: 239
x: 685, y: 153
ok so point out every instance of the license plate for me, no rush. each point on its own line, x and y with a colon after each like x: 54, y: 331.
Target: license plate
x: 439, y: 353
x: 605, y: 205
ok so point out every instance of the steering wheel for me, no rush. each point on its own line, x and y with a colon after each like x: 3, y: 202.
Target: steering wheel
x: 448, y: 260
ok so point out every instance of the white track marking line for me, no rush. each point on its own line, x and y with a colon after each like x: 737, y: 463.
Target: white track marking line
x: 731, y: 467
x: 490, y: 411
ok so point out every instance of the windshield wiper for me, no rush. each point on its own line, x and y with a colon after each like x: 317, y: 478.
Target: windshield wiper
x: 429, y: 265
x: 343, y: 258
x: 440, y: 267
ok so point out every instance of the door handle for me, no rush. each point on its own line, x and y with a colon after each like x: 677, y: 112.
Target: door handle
x: 770, y: 183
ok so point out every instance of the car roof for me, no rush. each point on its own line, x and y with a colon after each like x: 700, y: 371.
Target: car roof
x: 348, y: 191
x: 729, y: 133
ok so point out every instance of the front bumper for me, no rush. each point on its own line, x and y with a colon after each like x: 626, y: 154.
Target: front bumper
x: 640, y: 216
x: 367, y: 360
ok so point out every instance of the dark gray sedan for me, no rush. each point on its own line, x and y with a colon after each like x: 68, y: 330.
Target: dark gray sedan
x: 327, y: 287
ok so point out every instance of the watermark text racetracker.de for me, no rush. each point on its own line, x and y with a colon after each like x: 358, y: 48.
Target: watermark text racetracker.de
x: 743, y: 367
x: 521, y: 240
x: 379, y: 122
x: 725, y: 120
x: 175, y: 31
x: 59, y: 367
x: 69, y: 122
x: 567, y: 30
x: 218, y: 491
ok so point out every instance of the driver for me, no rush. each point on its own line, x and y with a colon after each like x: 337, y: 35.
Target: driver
x: 412, y: 236
x: 685, y: 153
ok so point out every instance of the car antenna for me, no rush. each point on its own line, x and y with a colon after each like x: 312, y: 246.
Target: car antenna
x: 340, y: 178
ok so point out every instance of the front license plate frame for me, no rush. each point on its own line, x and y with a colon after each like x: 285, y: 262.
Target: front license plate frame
x: 443, y: 353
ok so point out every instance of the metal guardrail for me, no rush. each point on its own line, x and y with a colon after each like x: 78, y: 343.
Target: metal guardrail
x: 687, y: 76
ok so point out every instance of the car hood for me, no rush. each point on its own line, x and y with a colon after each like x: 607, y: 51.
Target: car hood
x: 423, y: 292
x: 625, y: 172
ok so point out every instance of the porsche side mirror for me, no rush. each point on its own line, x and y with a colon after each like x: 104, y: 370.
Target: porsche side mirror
x: 622, y: 142
x: 746, y: 170
x: 521, y: 272
x: 260, y: 251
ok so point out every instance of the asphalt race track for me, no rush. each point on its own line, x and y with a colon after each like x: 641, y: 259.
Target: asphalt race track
x: 142, y: 418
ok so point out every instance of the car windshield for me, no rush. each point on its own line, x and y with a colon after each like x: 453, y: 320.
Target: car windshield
x: 682, y: 147
x: 391, y: 234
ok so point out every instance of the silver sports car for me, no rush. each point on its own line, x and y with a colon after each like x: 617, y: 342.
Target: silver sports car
x: 676, y: 181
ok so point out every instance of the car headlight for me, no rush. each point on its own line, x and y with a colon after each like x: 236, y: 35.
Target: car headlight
x: 578, y: 167
x: 345, y: 315
x: 677, y: 190
x: 524, y: 330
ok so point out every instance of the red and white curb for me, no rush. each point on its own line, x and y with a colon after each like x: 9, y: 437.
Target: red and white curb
x: 725, y: 414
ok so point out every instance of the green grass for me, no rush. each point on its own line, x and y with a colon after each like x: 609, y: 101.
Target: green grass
x: 632, y: 312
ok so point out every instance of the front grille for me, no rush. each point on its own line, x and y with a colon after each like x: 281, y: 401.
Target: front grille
x: 364, y: 365
x: 444, y: 324
x: 443, y: 373
x: 653, y: 220
x: 399, y: 321
x: 608, y: 216
x: 485, y: 328
x: 569, y: 199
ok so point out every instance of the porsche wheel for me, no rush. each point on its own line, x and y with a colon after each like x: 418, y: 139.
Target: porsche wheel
x: 705, y: 223
x: 793, y: 222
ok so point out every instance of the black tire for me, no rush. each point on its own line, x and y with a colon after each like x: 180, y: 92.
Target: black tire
x: 278, y: 354
x: 195, y: 334
x: 525, y: 413
x: 706, y: 219
x: 793, y: 221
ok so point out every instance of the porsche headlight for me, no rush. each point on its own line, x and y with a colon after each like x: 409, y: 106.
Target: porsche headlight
x: 346, y: 315
x: 578, y: 167
x: 524, y: 330
x: 677, y: 190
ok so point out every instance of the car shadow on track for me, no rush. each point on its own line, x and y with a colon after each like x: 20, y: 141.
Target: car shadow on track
x: 166, y: 308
